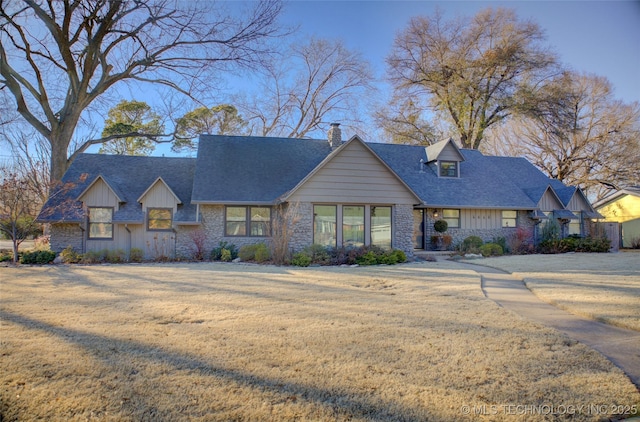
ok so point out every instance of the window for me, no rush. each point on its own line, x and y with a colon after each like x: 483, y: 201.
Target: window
x: 452, y: 217
x: 100, y: 223
x: 159, y: 219
x: 381, y: 227
x: 324, y: 225
x: 448, y: 169
x: 260, y: 221
x: 352, y: 225
x: 248, y: 221
x: 575, y: 225
x: 509, y: 218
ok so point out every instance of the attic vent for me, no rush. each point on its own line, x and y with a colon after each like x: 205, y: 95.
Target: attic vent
x: 335, y: 135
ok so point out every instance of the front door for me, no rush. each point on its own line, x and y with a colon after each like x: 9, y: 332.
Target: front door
x: 418, y: 229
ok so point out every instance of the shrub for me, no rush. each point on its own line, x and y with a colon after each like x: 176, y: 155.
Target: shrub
x: 199, y: 238
x: 593, y: 244
x: 115, y: 256
x: 635, y: 243
x: 136, y: 255
x: 471, y: 244
x: 441, y: 226
x: 318, y: 254
x: 550, y: 231
x: 301, y: 259
x: 38, y: 257
x: 491, y: 249
x: 502, y: 241
x: 258, y: 252
x: 368, y: 258
x: 94, y: 257
x: 226, y: 255
x: 518, y: 241
x: 216, y: 253
x: 70, y: 256
x: 6, y: 255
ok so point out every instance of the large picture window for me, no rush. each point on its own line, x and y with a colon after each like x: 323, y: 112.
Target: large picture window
x: 381, y: 227
x: 248, y: 221
x: 159, y: 219
x: 509, y: 218
x: 352, y: 225
x: 452, y: 217
x: 100, y: 223
x: 324, y: 225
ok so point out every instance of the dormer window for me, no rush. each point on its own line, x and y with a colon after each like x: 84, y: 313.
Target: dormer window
x: 448, y: 169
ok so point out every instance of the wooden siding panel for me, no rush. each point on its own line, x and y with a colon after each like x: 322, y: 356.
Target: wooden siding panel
x: 159, y: 196
x: 480, y: 219
x: 354, y: 176
x: 449, y: 153
x: 548, y: 202
x: 578, y: 203
x: 100, y: 195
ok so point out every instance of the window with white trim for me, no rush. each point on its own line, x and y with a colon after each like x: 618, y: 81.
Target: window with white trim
x: 509, y: 218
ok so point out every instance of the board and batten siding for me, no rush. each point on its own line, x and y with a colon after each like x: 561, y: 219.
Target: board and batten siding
x: 549, y: 202
x: 449, y: 153
x: 577, y: 203
x: 100, y: 195
x: 480, y: 219
x: 354, y: 176
x: 159, y: 196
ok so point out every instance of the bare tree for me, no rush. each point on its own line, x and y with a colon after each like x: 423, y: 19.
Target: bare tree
x: 577, y: 132
x: 18, y: 209
x: 404, y: 122
x: 320, y: 81
x: 471, y: 70
x: 57, y: 57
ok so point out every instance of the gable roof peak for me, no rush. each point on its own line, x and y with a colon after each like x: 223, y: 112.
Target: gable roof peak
x: 435, y: 150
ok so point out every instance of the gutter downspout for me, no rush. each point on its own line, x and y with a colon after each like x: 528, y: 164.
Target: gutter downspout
x: 126, y: 227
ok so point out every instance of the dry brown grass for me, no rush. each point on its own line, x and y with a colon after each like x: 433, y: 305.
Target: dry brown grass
x: 604, y: 287
x: 242, y: 342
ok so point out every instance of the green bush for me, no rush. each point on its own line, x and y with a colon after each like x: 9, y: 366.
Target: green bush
x: 368, y: 258
x: 441, y: 226
x: 6, y: 255
x: 38, y: 257
x: 318, y: 254
x: 301, y: 259
x: 491, y: 249
x: 471, y: 244
x: 115, y: 256
x: 226, y: 255
x: 136, y: 255
x: 550, y: 230
x: 232, y: 251
x: 70, y: 256
x: 502, y: 241
x: 258, y: 252
x: 94, y: 257
x: 262, y: 253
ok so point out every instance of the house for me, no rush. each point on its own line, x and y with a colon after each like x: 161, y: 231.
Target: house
x: 345, y: 194
x: 623, y: 207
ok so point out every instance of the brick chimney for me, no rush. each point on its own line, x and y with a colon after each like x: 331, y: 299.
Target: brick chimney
x: 334, y: 135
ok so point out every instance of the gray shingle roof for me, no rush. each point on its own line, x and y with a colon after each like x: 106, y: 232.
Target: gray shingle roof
x: 245, y: 169
x: 129, y: 177
x: 481, y: 183
x: 257, y: 170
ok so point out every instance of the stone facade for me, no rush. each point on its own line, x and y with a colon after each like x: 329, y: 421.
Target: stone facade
x: 64, y: 235
x: 402, y: 223
x: 487, y: 235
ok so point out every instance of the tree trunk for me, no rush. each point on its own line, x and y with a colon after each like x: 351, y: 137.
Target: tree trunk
x: 59, y: 158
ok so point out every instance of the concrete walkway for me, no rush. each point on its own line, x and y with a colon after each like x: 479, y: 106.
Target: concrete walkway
x: 621, y: 346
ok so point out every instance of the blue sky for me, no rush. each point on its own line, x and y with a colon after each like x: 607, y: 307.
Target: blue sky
x: 601, y: 37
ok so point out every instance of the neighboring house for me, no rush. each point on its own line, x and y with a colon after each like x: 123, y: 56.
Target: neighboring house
x: 345, y: 194
x: 623, y: 207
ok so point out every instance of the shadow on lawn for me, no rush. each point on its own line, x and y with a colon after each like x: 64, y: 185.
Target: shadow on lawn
x: 343, y: 404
